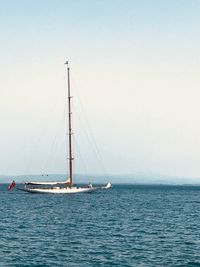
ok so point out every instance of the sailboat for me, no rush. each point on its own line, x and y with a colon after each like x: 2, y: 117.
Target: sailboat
x: 67, y: 186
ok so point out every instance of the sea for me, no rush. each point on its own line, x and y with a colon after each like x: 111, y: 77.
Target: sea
x: 128, y: 225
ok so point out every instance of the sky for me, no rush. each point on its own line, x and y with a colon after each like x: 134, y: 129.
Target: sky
x: 135, y: 84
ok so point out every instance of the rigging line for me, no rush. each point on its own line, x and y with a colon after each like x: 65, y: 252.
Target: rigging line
x: 94, y: 146
x: 41, y: 133
x: 54, y: 144
x: 81, y: 157
x: 90, y: 131
x: 85, y: 132
x: 88, y: 138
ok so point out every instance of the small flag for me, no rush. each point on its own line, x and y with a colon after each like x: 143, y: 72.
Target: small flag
x: 11, y: 186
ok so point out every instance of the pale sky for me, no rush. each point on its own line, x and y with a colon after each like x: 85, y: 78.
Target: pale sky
x: 135, y: 66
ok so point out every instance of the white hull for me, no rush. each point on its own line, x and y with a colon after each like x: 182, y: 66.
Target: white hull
x: 72, y: 190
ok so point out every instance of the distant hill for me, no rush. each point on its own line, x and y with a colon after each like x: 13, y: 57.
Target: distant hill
x: 137, y: 178
x: 53, y: 177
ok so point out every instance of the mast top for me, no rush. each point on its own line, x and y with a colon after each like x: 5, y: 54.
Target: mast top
x: 67, y: 63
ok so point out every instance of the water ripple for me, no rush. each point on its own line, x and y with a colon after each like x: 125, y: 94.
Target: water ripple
x: 126, y: 226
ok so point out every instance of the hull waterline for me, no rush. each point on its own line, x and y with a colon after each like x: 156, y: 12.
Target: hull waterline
x: 72, y: 190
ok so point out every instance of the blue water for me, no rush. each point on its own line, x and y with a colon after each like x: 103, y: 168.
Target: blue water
x: 125, y: 226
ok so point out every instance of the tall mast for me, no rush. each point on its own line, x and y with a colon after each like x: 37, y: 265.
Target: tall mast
x: 69, y: 126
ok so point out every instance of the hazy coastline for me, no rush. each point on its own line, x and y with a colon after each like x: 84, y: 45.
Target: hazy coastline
x: 113, y: 178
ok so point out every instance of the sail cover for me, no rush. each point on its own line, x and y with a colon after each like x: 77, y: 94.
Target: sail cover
x: 46, y: 183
